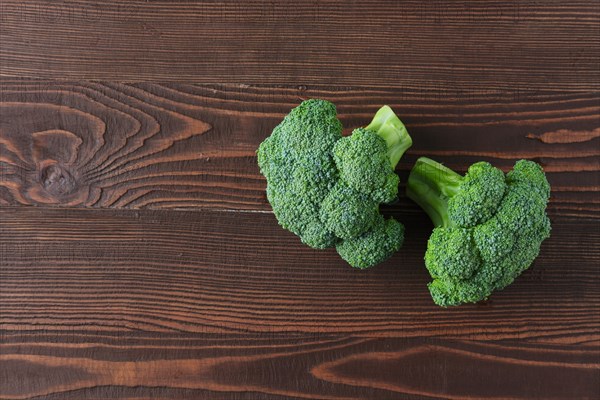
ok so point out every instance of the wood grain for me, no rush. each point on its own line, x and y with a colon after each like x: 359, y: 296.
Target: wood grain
x: 228, y: 273
x: 178, y: 304
x: 182, y: 366
x: 483, y: 44
x: 175, y: 145
x: 139, y: 258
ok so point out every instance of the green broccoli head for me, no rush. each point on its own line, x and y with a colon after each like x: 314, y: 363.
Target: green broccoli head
x: 373, y: 246
x: 530, y: 174
x: 494, y: 239
x: 363, y: 164
x: 480, y: 193
x: 348, y: 213
x: 489, y: 226
x: 366, y: 159
x: 298, y: 164
x: 327, y: 189
x: 453, y: 254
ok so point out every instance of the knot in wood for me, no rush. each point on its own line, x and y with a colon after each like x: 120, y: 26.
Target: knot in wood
x: 57, y: 180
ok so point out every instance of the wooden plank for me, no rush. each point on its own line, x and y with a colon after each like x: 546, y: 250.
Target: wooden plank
x: 237, y: 273
x: 80, y: 365
x: 550, y: 44
x: 151, y: 265
x: 151, y: 145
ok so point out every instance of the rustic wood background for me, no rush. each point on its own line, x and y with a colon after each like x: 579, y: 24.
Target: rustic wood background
x: 138, y: 254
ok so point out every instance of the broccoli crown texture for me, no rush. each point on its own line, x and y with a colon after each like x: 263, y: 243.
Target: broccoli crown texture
x: 366, y: 159
x: 326, y: 188
x: 347, y: 212
x: 297, y: 162
x: 489, y: 226
x: 373, y: 246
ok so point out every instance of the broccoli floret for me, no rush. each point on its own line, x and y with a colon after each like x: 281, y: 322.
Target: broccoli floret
x: 327, y: 189
x: 297, y: 162
x: 453, y: 254
x: 489, y: 226
x: 348, y: 213
x: 493, y: 239
x: 374, y: 246
x: 480, y: 193
x: 366, y: 160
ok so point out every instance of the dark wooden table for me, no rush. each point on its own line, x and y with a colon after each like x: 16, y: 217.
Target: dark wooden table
x: 139, y: 257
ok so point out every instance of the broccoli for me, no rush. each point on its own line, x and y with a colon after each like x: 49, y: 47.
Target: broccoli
x: 488, y: 226
x: 373, y: 246
x: 326, y: 188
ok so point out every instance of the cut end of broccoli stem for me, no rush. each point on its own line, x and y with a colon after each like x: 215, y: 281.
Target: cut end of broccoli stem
x: 430, y: 185
x: 387, y: 125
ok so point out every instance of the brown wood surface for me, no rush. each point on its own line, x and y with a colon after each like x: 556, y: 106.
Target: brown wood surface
x: 205, y: 300
x: 413, y: 44
x: 138, y: 254
x: 187, y: 146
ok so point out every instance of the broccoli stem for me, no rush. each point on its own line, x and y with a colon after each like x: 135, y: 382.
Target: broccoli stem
x: 430, y: 185
x: 387, y: 125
